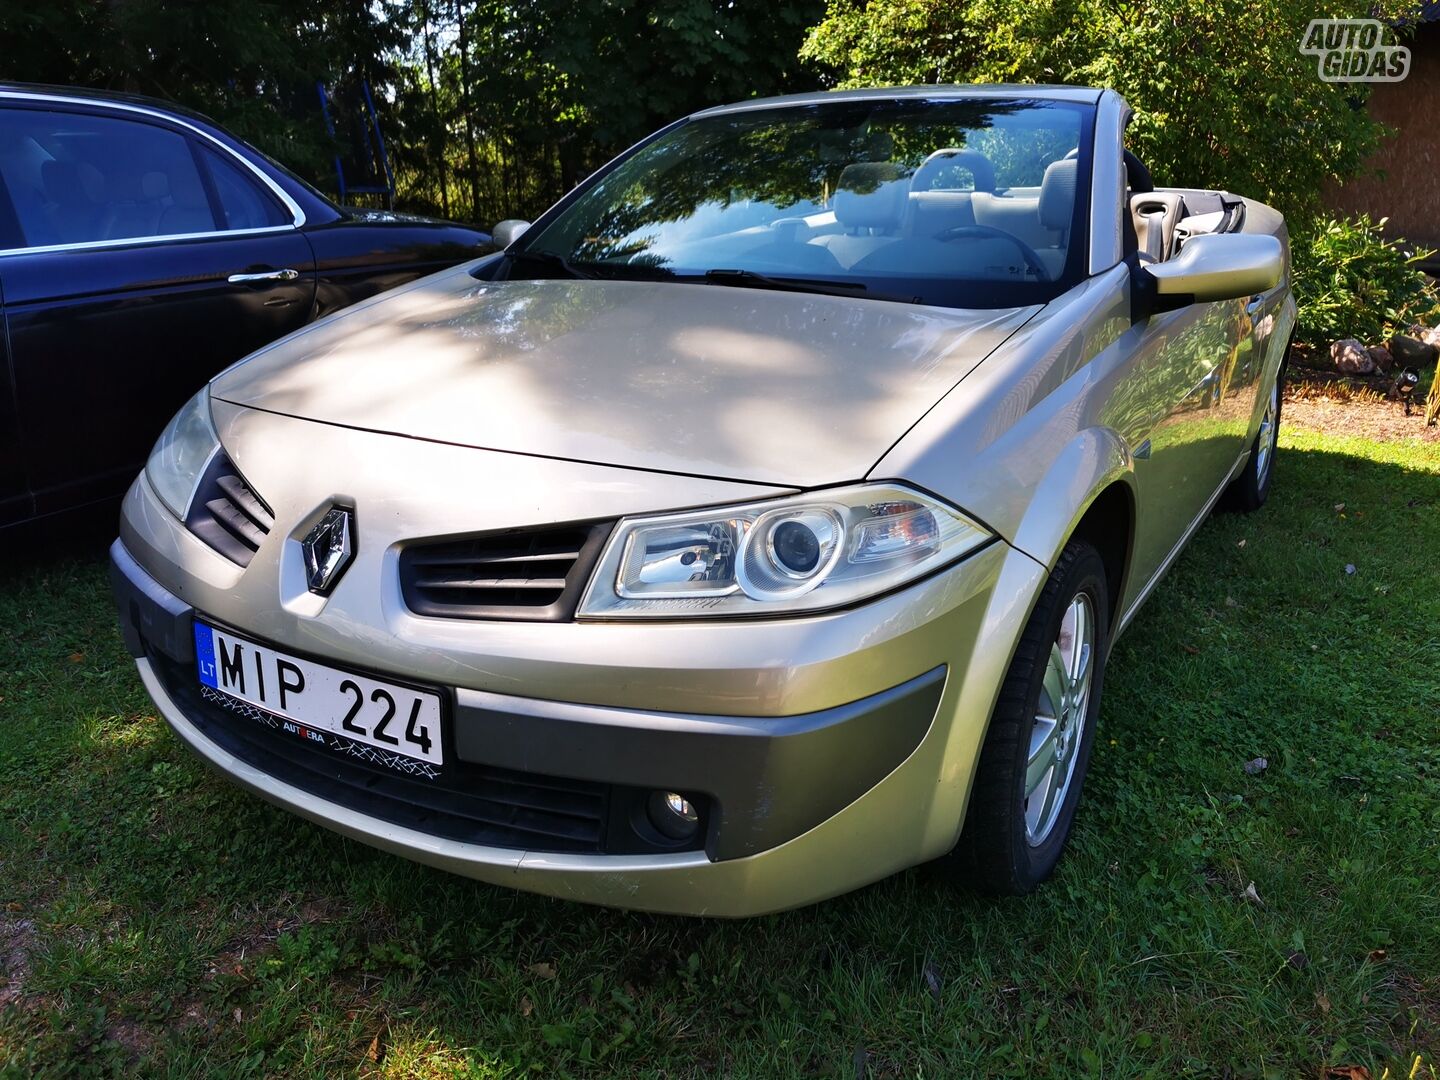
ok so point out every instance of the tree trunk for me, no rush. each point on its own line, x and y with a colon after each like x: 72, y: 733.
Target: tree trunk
x: 465, y: 104
x: 435, y: 104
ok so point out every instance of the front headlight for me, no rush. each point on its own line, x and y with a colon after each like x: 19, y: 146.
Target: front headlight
x: 803, y: 553
x: 182, y: 453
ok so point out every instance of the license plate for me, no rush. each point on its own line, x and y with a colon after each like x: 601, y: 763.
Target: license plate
x: 322, y: 704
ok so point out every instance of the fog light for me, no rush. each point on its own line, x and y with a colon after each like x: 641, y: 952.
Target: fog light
x: 673, y: 815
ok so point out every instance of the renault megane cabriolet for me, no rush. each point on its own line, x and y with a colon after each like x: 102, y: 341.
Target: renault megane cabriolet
x: 757, y: 524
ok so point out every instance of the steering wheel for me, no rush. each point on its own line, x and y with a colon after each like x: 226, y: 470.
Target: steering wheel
x: 978, y: 232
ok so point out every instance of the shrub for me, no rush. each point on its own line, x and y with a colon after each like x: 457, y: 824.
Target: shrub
x: 1223, y: 97
x: 1353, y: 281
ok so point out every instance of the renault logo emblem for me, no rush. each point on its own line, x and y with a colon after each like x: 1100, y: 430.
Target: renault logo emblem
x: 328, y: 548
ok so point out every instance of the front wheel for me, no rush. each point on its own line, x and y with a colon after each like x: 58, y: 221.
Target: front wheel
x: 1032, y: 764
x: 1249, y: 490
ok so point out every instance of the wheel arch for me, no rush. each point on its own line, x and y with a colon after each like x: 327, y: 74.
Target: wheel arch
x: 1089, y: 492
x: 1108, y: 524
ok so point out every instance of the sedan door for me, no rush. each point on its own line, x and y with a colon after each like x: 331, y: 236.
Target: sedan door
x: 150, y: 258
x: 14, y: 492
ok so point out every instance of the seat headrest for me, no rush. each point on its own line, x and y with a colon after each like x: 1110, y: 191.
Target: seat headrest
x: 1057, y: 193
x: 981, y: 171
x: 871, y: 195
x: 72, y: 183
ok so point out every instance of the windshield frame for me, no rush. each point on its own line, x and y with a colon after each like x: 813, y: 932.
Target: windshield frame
x: 965, y: 293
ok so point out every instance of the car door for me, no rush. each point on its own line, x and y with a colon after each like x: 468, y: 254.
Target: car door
x: 150, y: 257
x: 1169, y: 405
x: 14, y: 492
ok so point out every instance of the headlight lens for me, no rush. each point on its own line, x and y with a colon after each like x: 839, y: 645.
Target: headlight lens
x: 181, y: 454
x: 804, y: 553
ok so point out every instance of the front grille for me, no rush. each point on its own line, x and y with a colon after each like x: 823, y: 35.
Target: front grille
x: 228, y: 515
x: 533, y: 574
x: 469, y: 802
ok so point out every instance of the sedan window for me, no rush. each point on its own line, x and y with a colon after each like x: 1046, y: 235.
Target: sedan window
x: 77, y: 178
x: 243, y: 203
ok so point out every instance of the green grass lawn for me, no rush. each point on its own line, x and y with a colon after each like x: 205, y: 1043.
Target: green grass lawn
x: 153, y: 918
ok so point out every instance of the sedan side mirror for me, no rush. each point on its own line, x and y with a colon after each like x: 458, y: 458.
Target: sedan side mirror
x: 1220, y: 267
x: 508, y: 231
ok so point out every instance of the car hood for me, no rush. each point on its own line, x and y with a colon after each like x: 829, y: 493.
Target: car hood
x: 734, y: 383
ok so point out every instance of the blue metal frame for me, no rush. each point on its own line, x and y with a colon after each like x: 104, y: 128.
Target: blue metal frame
x: 374, y: 126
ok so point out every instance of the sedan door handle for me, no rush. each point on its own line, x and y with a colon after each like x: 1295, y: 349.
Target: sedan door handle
x: 265, y: 275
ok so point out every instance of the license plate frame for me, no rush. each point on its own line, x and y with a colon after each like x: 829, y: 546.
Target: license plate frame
x: 268, y: 694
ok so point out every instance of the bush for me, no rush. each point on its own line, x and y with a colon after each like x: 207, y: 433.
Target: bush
x: 1223, y: 97
x: 1352, y: 281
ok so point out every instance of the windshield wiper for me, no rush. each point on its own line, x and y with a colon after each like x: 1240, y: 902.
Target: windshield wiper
x: 619, y: 271
x: 751, y: 279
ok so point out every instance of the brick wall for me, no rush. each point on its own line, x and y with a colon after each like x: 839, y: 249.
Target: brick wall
x: 1408, y: 192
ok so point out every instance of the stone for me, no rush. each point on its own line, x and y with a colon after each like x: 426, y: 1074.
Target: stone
x: 1411, y: 352
x: 1351, y: 358
x: 1381, y: 355
x: 1430, y: 335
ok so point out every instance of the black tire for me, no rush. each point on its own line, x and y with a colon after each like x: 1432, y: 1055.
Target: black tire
x: 1249, y: 490
x: 994, y: 854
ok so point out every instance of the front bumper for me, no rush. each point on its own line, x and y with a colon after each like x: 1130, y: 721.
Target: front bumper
x: 768, y: 780
x: 832, y: 750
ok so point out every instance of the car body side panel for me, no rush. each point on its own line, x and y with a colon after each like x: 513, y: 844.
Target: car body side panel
x: 107, y: 343
x: 990, y: 445
x: 1084, y: 396
x: 366, y: 254
x: 15, y: 501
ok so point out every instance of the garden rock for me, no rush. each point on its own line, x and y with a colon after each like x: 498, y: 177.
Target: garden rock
x: 1351, y: 357
x: 1381, y: 356
x: 1430, y: 335
x: 1411, y: 352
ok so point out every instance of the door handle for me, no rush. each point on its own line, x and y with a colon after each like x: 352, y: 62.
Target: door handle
x: 1250, y: 308
x: 264, y: 275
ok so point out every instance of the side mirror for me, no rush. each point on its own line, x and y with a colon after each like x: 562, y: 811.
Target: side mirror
x: 508, y: 231
x: 1220, y: 267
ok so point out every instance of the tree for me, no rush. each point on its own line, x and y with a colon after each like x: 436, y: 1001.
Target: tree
x: 1222, y: 95
x: 490, y: 109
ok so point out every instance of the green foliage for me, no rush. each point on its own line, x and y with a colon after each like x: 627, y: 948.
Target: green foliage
x: 250, y: 64
x: 1223, y: 96
x: 489, y: 109
x: 1353, y: 281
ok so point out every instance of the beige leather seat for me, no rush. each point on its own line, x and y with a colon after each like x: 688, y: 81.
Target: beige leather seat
x: 870, y: 202
x: 1056, y: 211
x: 1154, y: 215
x: 1018, y: 215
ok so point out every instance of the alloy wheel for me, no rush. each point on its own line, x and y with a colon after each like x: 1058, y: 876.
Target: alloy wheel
x: 1059, y: 726
x: 1265, y: 450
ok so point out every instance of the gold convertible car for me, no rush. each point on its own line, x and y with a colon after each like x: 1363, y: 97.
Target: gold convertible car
x: 756, y: 524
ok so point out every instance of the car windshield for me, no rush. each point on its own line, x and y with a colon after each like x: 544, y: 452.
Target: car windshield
x: 961, y: 203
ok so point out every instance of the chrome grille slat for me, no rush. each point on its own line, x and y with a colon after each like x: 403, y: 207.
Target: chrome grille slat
x: 491, y: 583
